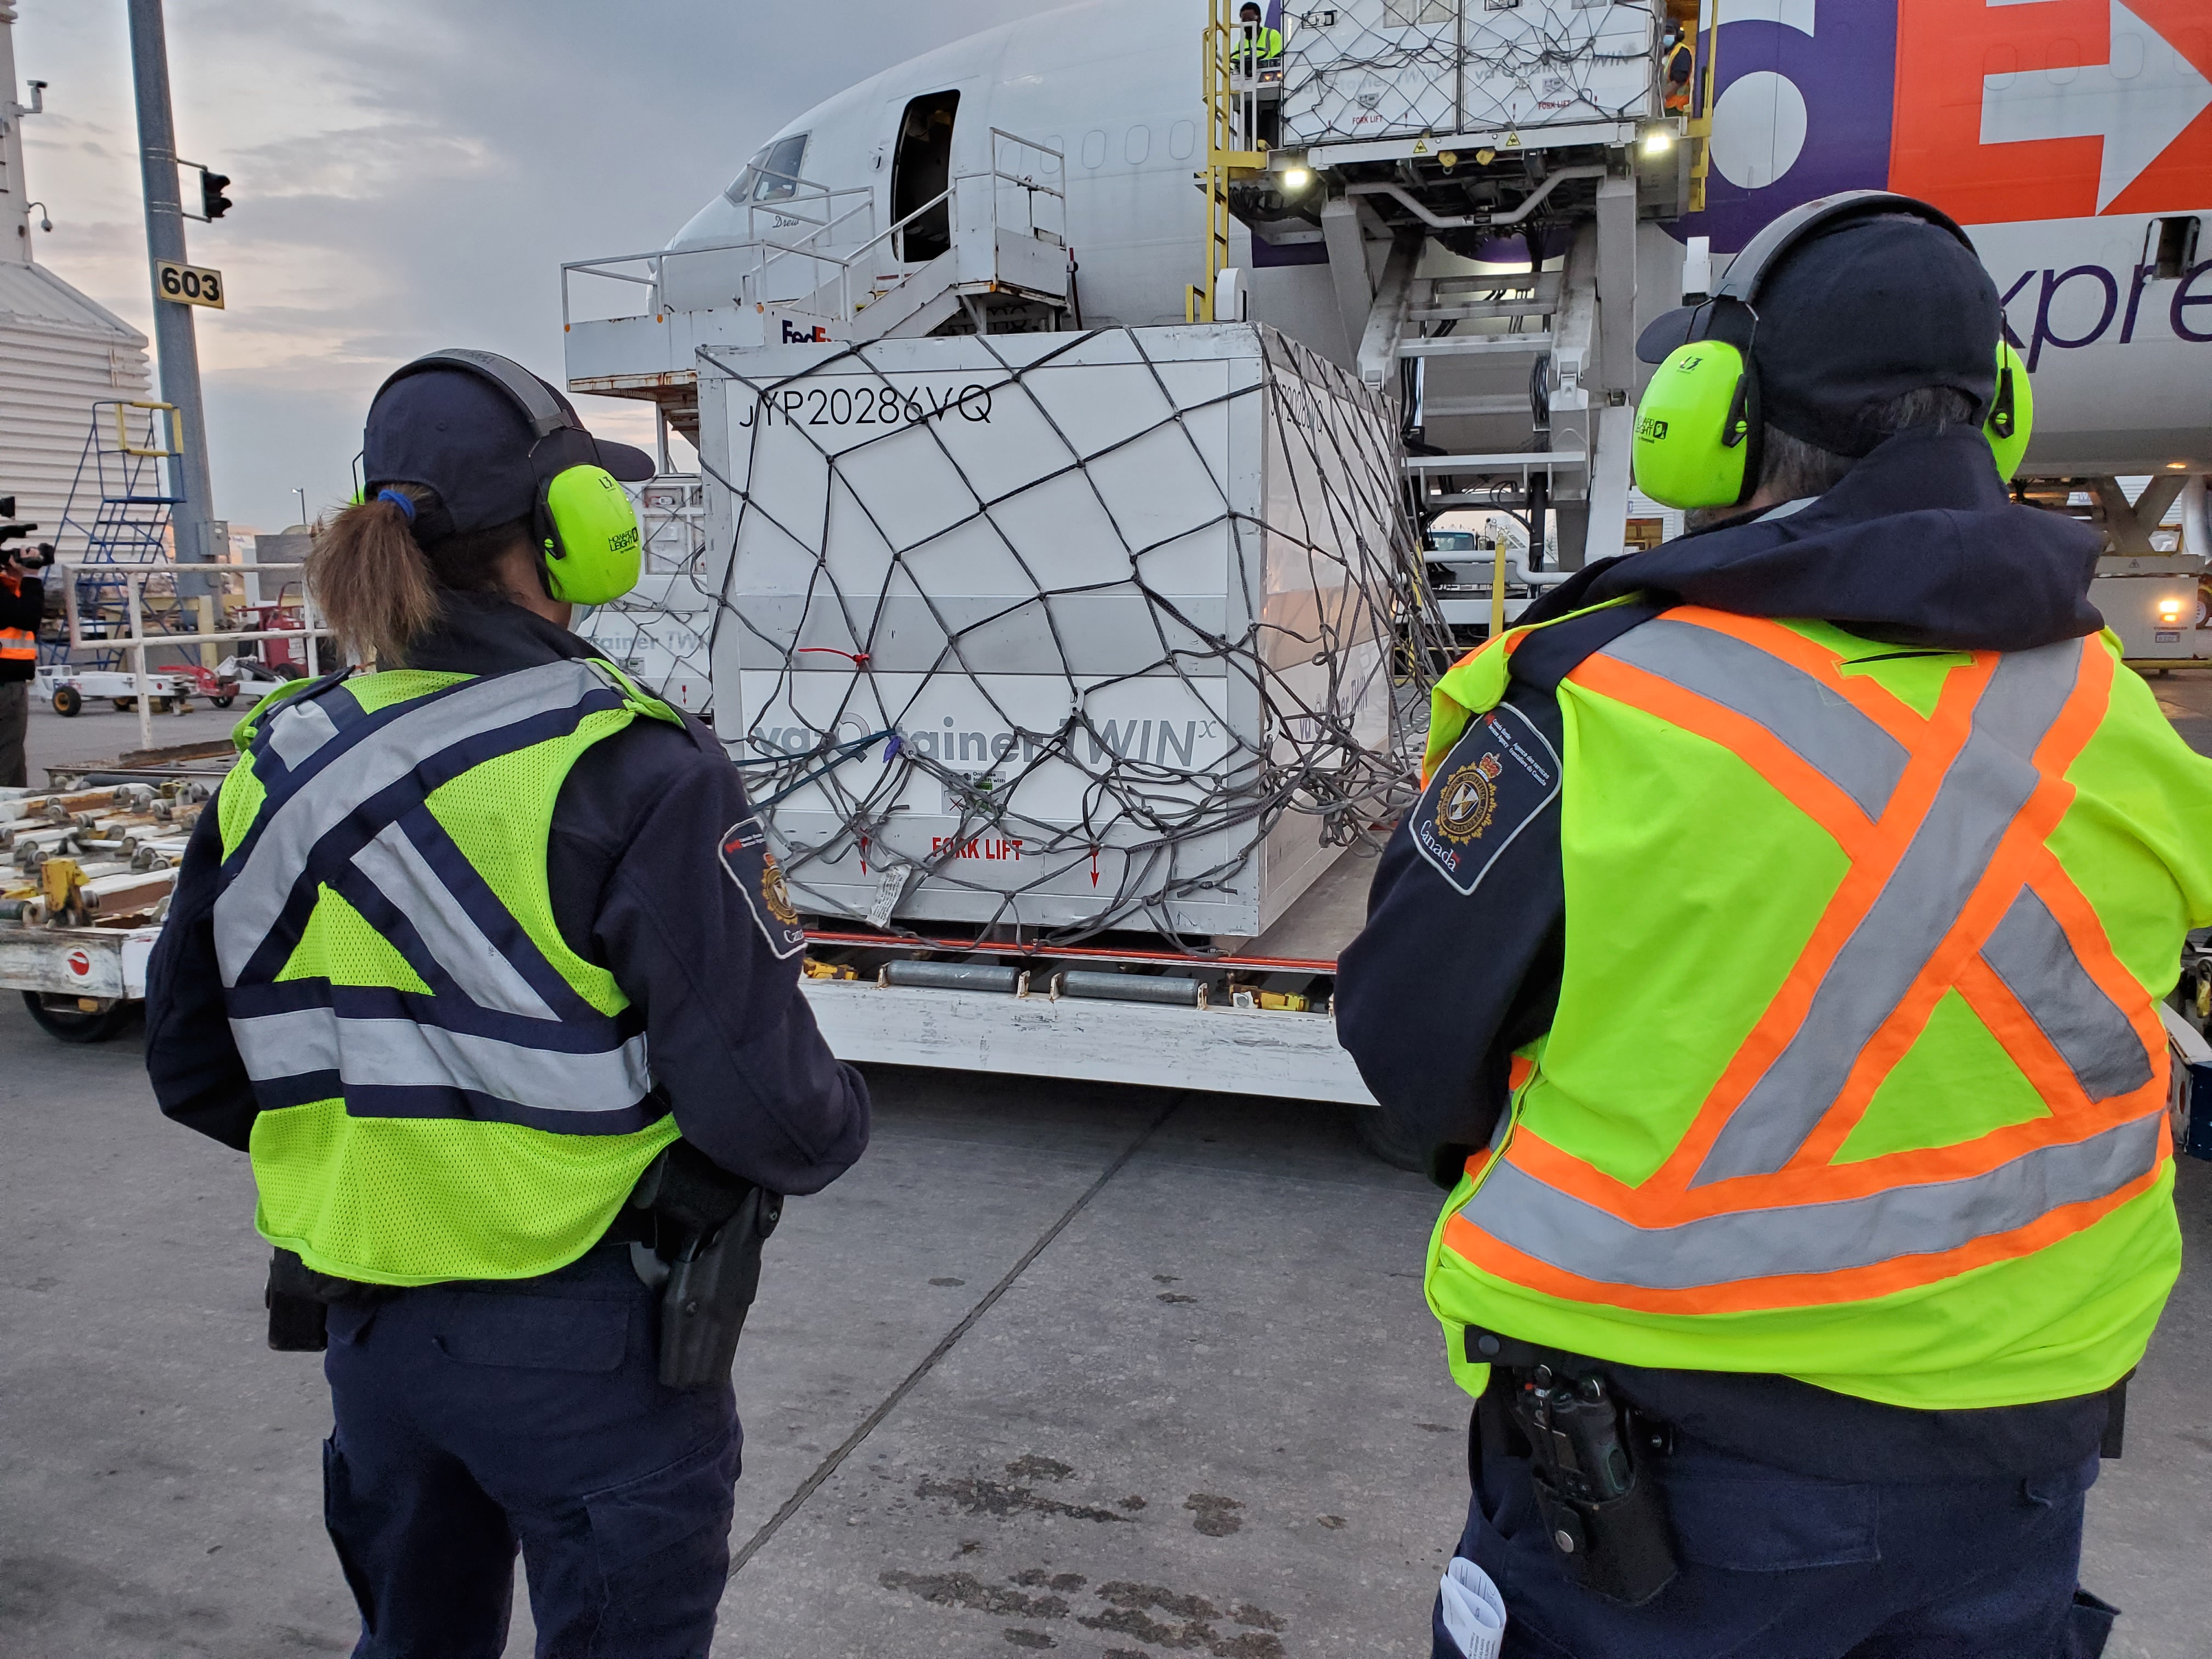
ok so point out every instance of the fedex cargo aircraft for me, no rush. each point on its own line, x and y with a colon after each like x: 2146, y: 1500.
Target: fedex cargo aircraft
x: 2072, y: 137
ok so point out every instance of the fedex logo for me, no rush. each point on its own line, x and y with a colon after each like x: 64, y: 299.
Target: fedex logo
x: 795, y: 334
x: 2053, y: 109
x: 2090, y: 300
x: 1997, y: 111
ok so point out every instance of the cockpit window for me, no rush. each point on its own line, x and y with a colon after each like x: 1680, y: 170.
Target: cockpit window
x: 773, y: 174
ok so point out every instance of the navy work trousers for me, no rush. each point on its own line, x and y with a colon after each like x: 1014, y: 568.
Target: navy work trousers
x: 1777, y: 1565
x: 471, y: 1420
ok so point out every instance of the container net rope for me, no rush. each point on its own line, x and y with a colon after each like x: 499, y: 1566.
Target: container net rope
x: 988, y: 541
x: 1394, y: 68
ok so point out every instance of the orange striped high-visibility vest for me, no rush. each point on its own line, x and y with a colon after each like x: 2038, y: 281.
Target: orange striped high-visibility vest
x: 17, y: 644
x: 1677, y: 93
x: 1858, y: 1073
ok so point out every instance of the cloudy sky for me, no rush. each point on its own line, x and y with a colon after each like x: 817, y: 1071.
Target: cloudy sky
x: 411, y: 174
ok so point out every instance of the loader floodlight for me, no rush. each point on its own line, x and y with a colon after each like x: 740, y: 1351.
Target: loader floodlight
x: 1657, y: 140
x: 1297, y: 178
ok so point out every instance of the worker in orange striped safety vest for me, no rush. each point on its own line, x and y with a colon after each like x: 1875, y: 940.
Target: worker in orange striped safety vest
x: 23, y: 605
x: 1677, y: 63
x: 1770, y: 968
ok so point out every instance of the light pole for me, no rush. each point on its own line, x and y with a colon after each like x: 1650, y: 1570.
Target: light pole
x: 174, y: 340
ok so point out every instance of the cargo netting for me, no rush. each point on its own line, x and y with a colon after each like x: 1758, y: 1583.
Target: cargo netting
x: 846, y: 575
x: 1397, y: 68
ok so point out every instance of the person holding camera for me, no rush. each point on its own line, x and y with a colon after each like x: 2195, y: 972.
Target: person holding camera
x: 483, y: 958
x: 22, y: 607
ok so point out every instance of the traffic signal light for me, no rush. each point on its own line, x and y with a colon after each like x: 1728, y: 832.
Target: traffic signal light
x: 213, y: 203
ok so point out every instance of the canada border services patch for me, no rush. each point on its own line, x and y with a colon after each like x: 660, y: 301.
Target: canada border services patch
x: 760, y: 878
x: 1499, y: 776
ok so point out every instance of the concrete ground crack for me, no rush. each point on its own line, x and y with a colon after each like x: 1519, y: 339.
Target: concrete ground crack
x: 829, y: 1465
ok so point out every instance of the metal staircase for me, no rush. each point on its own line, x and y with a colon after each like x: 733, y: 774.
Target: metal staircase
x: 118, y: 503
x: 813, y: 269
x: 1516, y: 380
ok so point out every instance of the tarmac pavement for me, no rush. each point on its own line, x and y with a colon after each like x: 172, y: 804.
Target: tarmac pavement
x: 1210, y: 1414
x: 1185, y: 1396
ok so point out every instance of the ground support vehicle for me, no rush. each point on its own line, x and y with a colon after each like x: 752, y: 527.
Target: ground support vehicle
x: 86, y: 886
x: 80, y: 984
x: 69, y: 688
x: 2153, y: 601
x: 1253, y: 1020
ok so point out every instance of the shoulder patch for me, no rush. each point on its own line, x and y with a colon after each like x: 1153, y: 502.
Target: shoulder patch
x: 759, y: 877
x: 1498, y: 777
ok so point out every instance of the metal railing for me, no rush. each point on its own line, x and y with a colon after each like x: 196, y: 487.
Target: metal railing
x: 829, y: 271
x: 138, y: 641
x: 1233, y: 147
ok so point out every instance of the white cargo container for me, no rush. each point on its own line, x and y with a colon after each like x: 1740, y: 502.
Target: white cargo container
x: 1060, y: 630
x: 1365, y: 69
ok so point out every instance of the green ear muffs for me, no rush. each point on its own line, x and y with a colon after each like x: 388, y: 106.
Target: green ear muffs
x: 588, y: 543
x: 1698, y: 428
x: 1698, y: 425
x: 588, y: 532
x: 2012, y: 412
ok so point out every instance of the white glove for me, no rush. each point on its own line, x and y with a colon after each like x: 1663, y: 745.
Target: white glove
x: 1474, y: 1612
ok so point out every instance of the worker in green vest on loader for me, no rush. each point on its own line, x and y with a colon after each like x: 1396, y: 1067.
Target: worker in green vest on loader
x: 482, y: 958
x: 1772, y: 963
x: 1677, y: 63
x: 1254, y: 46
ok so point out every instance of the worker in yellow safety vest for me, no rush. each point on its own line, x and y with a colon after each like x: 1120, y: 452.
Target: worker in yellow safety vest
x: 1770, y: 968
x: 438, y: 963
x: 1677, y: 63
x: 23, y: 605
x: 1254, y: 46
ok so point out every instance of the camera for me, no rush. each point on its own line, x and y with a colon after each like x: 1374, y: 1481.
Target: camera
x: 36, y: 558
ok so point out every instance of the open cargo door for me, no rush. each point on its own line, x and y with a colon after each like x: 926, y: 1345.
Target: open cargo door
x: 922, y: 171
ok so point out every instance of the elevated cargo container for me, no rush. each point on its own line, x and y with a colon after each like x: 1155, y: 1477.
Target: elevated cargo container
x: 1364, y: 70
x: 1059, y: 631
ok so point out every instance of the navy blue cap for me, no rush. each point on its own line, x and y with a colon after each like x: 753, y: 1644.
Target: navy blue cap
x: 459, y: 434
x: 1854, y: 318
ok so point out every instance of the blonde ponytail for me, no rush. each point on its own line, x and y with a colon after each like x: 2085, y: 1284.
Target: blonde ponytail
x: 372, y: 581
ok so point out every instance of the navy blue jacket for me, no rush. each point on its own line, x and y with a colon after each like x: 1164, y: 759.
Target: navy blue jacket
x: 638, y: 886
x: 1919, y: 544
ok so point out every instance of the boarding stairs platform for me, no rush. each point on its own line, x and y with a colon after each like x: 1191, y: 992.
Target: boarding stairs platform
x: 121, y: 506
x: 986, y: 255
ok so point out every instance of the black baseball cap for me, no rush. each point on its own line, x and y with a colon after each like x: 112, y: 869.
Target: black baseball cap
x: 456, y: 433
x: 1856, y: 316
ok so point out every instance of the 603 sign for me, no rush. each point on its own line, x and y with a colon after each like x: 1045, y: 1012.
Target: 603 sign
x: 188, y: 285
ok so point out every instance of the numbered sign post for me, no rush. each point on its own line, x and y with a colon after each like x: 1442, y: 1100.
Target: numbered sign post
x: 189, y: 285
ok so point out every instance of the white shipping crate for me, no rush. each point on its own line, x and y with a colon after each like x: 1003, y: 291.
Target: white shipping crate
x: 1060, y: 630
x: 1399, y: 69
